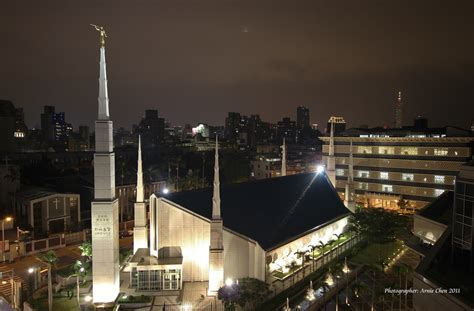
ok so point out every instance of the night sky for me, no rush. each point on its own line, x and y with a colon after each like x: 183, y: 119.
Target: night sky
x: 196, y: 60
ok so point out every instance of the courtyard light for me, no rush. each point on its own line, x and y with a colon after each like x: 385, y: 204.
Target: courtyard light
x: 229, y: 282
x: 88, y: 298
x: 166, y: 191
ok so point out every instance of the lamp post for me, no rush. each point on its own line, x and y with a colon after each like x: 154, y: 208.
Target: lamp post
x: 3, y: 236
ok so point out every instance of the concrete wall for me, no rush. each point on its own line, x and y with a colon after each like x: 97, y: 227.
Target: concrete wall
x: 172, y: 225
x: 426, y: 229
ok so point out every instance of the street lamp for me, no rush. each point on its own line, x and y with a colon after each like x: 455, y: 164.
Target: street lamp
x: 7, y: 219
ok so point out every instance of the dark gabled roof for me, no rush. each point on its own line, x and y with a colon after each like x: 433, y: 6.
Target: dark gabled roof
x: 270, y: 211
x: 440, y: 210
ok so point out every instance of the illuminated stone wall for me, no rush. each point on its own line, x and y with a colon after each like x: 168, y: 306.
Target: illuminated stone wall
x: 283, y: 255
x: 172, y: 225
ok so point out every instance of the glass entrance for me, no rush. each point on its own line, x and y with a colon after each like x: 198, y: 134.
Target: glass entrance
x: 172, y: 280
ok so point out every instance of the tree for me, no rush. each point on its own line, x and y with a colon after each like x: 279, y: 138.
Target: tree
x: 338, y: 238
x: 229, y: 295
x: 313, y: 248
x: 79, y: 270
x: 86, y: 250
x: 301, y: 254
x: 331, y: 243
x: 402, y: 204
x: 248, y: 293
x: 49, y: 259
x: 321, y: 247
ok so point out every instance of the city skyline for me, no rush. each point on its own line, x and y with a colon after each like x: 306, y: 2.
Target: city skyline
x: 251, y: 58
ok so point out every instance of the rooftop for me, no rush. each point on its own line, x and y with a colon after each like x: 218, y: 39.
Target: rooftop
x: 270, y: 211
x: 440, y: 210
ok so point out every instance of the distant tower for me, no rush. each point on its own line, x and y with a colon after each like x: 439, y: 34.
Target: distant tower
x: 104, y: 210
x: 399, y: 111
x: 349, y: 195
x: 216, y: 249
x: 331, y: 164
x: 283, y: 158
x: 140, y: 239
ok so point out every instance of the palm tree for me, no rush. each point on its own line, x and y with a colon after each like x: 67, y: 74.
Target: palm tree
x: 338, y: 236
x: 79, y: 271
x: 330, y: 243
x: 292, y: 269
x: 86, y: 250
x: 301, y: 254
x: 49, y: 259
x: 321, y: 246
x: 313, y: 248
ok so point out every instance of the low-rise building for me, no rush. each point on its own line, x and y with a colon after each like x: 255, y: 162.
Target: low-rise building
x: 48, y: 212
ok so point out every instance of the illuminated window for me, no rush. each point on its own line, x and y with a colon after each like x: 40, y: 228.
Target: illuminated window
x: 409, y: 150
x: 438, y: 192
x: 364, y: 185
x: 339, y: 172
x: 439, y: 179
x: 364, y: 149
x: 363, y: 174
x: 441, y: 151
x: 386, y: 150
x: 383, y: 175
x: 387, y: 188
x: 408, y: 177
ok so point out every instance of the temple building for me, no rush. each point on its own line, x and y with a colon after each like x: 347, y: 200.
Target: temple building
x: 240, y: 230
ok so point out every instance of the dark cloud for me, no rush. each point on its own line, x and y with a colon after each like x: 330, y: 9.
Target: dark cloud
x: 192, y: 61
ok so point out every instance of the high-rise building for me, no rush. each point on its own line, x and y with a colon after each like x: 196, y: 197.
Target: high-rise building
x: 21, y: 129
x: 47, y: 127
x: 339, y: 125
x: 7, y: 126
x: 416, y: 165
x: 399, y: 111
x: 286, y: 128
x: 59, y: 126
x: 302, y: 117
x: 152, y: 128
x: 232, y: 126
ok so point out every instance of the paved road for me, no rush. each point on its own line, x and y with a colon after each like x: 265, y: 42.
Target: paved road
x: 66, y: 256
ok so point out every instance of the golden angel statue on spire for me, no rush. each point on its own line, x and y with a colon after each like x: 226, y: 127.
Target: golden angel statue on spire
x: 103, y: 35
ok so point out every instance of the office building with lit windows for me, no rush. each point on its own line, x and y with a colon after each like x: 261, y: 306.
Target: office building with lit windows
x: 414, y: 164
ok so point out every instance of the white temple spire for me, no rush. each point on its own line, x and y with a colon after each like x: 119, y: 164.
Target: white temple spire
x: 283, y: 158
x: 331, y: 161
x: 216, y: 198
x: 331, y: 140
x: 103, y: 93
x: 350, y: 176
x: 140, y: 192
x: 104, y: 209
x: 140, y: 231
x: 350, y: 191
x: 216, y: 247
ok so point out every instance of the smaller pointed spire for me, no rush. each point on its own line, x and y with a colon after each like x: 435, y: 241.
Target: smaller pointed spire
x: 140, y: 192
x: 331, y: 140
x: 350, y: 176
x: 283, y: 158
x: 216, y: 198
